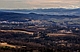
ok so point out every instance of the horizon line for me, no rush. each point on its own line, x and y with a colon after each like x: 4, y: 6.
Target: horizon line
x: 36, y: 8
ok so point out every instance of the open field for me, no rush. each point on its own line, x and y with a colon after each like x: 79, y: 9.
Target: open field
x: 16, y: 31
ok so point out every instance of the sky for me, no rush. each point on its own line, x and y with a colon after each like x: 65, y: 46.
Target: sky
x: 34, y: 4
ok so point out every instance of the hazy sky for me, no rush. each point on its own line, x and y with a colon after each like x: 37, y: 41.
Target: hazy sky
x: 31, y: 4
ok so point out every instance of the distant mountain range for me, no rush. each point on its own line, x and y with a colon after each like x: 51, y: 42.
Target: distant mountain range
x: 52, y: 11
x: 16, y: 16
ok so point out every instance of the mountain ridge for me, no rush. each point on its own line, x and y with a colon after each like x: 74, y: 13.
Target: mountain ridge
x: 51, y: 11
